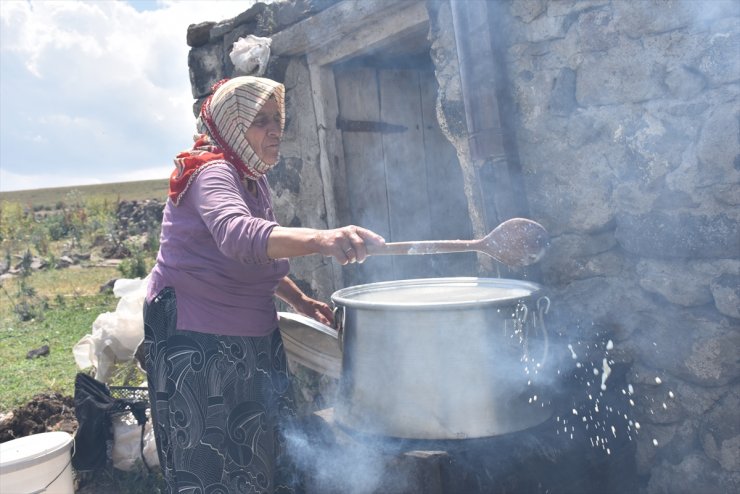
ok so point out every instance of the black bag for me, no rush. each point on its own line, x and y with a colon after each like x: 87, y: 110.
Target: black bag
x: 94, y: 407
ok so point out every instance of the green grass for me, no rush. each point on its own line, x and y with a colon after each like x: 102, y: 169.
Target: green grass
x: 61, y: 326
x: 130, y: 191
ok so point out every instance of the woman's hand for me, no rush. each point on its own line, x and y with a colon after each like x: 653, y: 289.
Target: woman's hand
x: 315, y: 310
x: 288, y: 291
x: 348, y: 244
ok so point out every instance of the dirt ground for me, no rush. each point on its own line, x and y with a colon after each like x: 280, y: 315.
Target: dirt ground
x: 44, y: 413
x: 49, y: 412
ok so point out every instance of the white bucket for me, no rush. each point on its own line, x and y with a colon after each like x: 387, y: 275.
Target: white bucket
x: 37, y: 463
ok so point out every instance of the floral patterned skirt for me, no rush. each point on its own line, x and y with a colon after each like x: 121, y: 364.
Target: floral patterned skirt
x: 219, y: 405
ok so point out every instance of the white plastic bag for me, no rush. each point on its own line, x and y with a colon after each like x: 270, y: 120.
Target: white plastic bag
x: 115, y: 335
x: 126, y: 450
x: 250, y: 55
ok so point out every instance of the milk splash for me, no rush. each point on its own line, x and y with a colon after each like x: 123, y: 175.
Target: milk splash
x: 601, y: 411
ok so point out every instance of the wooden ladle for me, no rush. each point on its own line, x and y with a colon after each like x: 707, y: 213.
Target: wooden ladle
x: 515, y: 242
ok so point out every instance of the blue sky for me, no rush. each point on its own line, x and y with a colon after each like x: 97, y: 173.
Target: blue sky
x: 96, y: 91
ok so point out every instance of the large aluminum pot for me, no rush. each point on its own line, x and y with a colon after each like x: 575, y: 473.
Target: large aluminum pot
x: 440, y: 358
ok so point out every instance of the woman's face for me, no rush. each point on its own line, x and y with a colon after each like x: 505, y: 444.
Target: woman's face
x: 264, y: 134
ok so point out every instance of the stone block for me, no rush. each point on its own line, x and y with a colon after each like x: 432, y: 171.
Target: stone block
x: 596, y: 31
x: 721, y: 63
x: 199, y: 34
x: 697, y: 400
x: 655, y: 405
x: 556, y: 194
x: 720, y: 431
x: 676, y: 282
x: 718, y: 149
x: 563, y: 95
x: 616, y: 303
x: 637, y: 19
x: 650, y: 440
x: 692, y: 346
x: 624, y: 74
x: 679, y: 235
x: 684, y: 83
x: 527, y: 10
x: 694, y: 474
x: 206, y: 68
x: 726, y: 293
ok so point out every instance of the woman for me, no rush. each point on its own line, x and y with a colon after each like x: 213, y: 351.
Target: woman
x: 217, y: 372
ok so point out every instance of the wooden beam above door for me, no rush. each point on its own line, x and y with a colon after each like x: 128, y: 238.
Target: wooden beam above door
x: 350, y: 27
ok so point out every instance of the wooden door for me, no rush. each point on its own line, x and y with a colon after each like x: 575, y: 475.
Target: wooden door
x: 403, y: 177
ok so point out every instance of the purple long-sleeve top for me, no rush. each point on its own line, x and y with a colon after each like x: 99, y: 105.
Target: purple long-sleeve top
x: 213, y: 252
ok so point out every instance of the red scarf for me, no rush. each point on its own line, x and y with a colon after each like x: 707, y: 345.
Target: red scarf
x: 189, y: 163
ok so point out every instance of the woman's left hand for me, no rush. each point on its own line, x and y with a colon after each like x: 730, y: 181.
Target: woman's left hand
x: 315, y: 310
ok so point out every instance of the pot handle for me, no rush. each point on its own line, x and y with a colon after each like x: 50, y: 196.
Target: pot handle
x: 543, y: 307
x: 339, y: 325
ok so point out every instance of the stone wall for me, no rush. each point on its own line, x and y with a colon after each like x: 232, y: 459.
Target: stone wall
x: 626, y: 117
x: 627, y: 127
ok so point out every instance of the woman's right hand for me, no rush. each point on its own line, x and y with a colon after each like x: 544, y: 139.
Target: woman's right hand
x: 348, y: 244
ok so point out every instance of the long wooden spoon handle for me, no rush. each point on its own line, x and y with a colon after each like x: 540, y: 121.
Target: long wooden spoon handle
x: 424, y: 247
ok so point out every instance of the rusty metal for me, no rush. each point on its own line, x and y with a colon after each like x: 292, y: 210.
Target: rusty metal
x: 346, y: 125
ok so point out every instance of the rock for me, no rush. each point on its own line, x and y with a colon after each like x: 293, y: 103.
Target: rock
x: 634, y: 19
x: 654, y: 404
x: 596, y: 30
x: 684, y: 83
x: 64, y: 262
x: 726, y: 292
x: 677, y: 282
x: 720, y: 431
x: 718, y: 149
x: 694, y: 474
x: 563, y: 95
x: 546, y: 28
x: 527, y: 10
x: 679, y: 235
x: 640, y: 76
x: 107, y: 287
x: 610, y: 302
x: 42, y: 351
x: 650, y: 440
x: 697, y: 400
x: 199, y: 34
x: 572, y: 208
x: 693, y: 346
x: 205, y: 64
x: 562, y: 270
x: 720, y: 63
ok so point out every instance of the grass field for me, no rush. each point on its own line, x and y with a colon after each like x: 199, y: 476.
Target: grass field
x: 56, y: 307
x: 129, y: 191
x: 74, y: 302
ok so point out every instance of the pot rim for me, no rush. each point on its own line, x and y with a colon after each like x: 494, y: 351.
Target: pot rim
x: 345, y: 296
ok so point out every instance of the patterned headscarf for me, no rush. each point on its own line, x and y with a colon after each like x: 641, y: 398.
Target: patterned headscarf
x: 225, y: 116
x: 229, y: 112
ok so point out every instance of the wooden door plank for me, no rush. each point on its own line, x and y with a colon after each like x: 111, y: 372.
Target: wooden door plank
x: 331, y: 152
x: 357, y: 93
x: 406, y: 179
